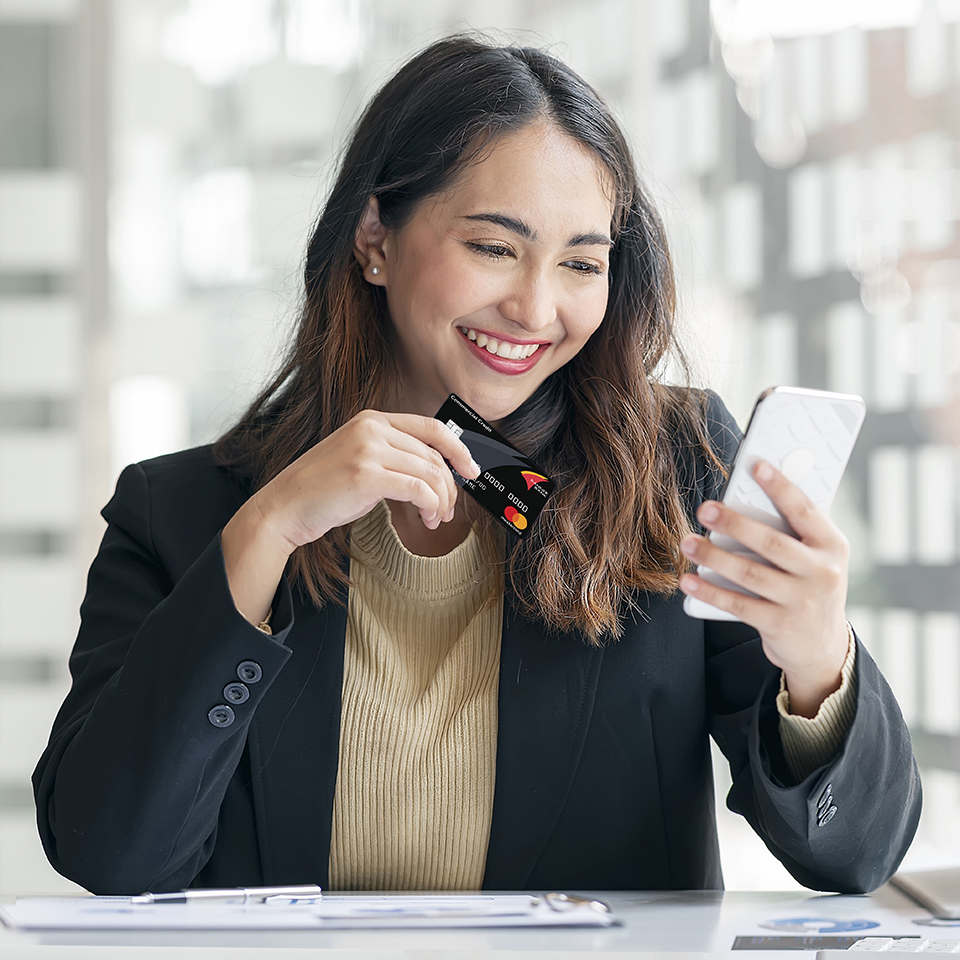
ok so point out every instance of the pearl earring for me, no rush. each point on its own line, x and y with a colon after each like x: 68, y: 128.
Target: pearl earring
x: 374, y: 270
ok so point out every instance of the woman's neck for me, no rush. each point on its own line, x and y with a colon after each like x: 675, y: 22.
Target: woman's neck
x: 423, y: 541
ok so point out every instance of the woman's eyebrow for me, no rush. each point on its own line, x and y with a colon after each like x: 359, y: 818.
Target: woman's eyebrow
x: 528, y: 233
x: 502, y: 220
x: 590, y: 240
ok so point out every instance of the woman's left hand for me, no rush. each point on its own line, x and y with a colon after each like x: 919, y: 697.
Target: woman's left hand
x: 799, y: 607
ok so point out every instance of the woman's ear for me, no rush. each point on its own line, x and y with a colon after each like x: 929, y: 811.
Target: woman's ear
x: 368, y: 245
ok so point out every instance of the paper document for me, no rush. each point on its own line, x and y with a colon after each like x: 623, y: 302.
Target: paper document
x: 330, y: 912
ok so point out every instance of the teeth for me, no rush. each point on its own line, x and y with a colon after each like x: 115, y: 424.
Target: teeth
x: 504, y: 349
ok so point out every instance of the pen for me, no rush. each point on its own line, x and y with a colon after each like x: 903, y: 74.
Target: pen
x: 308, y: 891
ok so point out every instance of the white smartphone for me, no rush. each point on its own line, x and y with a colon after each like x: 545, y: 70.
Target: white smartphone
x: 808, y: 435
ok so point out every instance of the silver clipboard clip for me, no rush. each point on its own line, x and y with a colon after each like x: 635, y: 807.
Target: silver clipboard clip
x: 565, y: 902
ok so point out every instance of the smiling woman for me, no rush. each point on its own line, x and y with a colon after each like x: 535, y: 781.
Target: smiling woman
x: 515, y: 252
x: 304, y: 658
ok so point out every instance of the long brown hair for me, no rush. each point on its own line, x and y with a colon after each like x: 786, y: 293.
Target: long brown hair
x: 603, y: 426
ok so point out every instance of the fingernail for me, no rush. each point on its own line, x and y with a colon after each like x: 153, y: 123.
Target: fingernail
x: 689, y: 545
x: 689, y: 584
x: 709, y: 512
x: 764, y: 471
x: 476, y: 467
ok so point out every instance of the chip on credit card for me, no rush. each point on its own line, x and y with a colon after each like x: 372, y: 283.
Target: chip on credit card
x: 510, y: 485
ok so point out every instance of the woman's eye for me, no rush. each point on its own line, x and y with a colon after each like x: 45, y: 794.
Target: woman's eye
x: 495, y: 250
x: 584, y: 266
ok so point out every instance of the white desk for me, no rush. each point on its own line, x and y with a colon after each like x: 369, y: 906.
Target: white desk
x: 683, y: 925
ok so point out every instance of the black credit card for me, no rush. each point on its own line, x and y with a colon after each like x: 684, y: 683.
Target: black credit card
x: 510, y: 485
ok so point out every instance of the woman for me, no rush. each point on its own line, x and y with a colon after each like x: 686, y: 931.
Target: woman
x: 305, y: 658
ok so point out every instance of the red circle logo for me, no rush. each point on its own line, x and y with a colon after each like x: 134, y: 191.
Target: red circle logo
x: 516, y: 518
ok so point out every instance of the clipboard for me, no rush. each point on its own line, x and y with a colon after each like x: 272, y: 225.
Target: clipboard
x: 368, y: 912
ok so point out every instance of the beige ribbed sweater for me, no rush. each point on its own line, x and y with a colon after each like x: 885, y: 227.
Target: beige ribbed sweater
x: 809, y: 743
x: 418, y: 735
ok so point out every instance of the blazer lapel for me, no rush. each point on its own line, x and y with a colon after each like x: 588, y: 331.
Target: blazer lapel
x: 295, y: 749
x: 548, y: 685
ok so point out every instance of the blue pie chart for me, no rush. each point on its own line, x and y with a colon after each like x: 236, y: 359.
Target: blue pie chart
x: 818, y: 925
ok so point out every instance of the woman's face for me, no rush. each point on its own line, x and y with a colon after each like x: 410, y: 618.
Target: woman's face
x: 499, y: 281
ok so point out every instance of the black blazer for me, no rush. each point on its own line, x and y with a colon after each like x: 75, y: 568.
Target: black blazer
x: 603, y: 768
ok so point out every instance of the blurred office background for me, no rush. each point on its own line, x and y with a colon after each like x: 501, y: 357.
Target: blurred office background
x: 161, y: 162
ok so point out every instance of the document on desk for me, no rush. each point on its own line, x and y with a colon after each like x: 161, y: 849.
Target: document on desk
x: 330, y: 912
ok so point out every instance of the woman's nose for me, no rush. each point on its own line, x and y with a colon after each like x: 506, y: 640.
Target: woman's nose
x: 530, y: 301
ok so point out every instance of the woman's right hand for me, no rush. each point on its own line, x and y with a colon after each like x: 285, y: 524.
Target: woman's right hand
x: 374, y: 456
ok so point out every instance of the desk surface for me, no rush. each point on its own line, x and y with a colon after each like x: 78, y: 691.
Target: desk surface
x: 678, y: 924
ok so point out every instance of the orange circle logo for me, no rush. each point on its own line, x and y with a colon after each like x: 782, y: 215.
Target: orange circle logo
x: 516, y: 518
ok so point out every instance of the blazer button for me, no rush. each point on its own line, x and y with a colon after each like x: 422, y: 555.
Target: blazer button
x: 826, y: 796
x: 221, y: 716
x: 236, y: 693
x: 827, y: 815
x: 249, y: 671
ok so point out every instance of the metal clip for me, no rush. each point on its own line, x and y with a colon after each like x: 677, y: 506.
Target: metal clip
x: 562, y: 902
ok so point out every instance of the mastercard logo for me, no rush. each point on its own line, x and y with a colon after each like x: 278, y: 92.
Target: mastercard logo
x: 516, y: 517
x: 532, y: 478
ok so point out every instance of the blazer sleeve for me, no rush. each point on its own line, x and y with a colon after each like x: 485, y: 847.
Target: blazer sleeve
x: 847, y: 825
x: 129, y: 788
